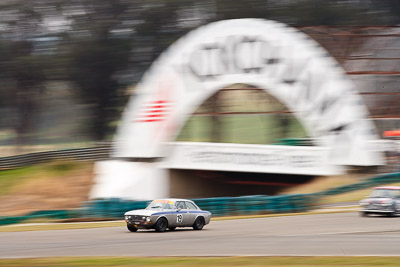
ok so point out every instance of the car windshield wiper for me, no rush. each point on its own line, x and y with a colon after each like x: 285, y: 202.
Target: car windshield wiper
x: 156, y: 207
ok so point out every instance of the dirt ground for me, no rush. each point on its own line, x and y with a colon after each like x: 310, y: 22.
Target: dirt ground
x: 325, y: 182
x: 49, y: 192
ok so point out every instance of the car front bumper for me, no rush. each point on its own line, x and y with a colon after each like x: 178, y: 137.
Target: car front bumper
x: 378, y: 209
x: 140, y: 223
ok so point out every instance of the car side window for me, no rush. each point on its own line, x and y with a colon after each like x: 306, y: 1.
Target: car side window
x: 180, y: 205
x: 167, y: 206
x: 191, y: 206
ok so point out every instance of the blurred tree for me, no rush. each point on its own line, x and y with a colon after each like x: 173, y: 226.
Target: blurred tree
x: 159, y: 25
x: 309, y: 12
x: 389, y: 9
x: 321, y: 12
x: 105, y: 38
x: 27, y: 72
x: 226, y: 9
x: 21, y: 69
x: 96, y: 47
x: 101, y: 46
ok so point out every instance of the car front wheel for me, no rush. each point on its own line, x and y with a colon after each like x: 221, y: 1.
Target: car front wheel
x: 132, y: 228
x: 198, y: 224
x: 161, y: 225
x: 364, y: 213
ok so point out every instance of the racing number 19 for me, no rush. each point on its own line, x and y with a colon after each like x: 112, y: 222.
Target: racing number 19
x: 179, y: 218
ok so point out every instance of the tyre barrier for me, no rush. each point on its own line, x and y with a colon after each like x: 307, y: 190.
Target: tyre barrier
x: 294, y: 142
x: 49, y: 214
x: 218, y: 206
x: 114, y: 208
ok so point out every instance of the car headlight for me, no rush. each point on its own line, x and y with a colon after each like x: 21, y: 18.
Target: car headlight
x: 147, y: 219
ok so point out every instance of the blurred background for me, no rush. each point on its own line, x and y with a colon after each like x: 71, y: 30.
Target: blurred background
x: 67, y: 68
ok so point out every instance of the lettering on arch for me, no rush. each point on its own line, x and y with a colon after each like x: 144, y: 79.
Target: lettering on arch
x: 269, y: 55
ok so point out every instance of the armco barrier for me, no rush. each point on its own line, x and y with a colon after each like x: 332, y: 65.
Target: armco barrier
x: 82, y: 154
x: 99, y: 152
x: 115, y: 208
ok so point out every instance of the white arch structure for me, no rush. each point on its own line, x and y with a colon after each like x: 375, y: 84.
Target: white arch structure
x: 269, y: 55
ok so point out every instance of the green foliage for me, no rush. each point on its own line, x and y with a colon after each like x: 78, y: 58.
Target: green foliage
x: 244, y: 129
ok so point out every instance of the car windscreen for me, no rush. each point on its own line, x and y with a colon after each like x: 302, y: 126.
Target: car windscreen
x: 160, y: 205
x: 390, y: 193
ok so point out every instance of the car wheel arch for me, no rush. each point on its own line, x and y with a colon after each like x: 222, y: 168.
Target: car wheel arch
x: 162, y: 217
x: 200, y: 216
x: 199, y: 223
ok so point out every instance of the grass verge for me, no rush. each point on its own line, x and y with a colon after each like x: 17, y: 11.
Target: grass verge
x: 10, y: 179
x: 350, y: 196
x: 204, y: 261
x: 59, y: 226
x: 57, y: 185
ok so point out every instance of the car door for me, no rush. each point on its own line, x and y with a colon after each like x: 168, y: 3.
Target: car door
x: 193, y: 212
x: 170, y: 214
x: 182, y: 214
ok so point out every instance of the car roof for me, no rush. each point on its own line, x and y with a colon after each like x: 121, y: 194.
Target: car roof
x: 388, y: 187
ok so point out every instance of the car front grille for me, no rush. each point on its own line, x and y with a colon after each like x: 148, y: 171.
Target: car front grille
x: 134, y: 217
x: 378, y: 207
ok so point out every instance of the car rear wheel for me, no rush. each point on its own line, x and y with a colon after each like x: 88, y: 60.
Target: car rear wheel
x: 396, y: 210
x: 161, y: 225
x: 132, y: 228
x: 199, y: 223
x: 391, y: 214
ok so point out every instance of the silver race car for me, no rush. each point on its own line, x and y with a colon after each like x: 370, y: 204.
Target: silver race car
x: 169, y: 213
x: 382, y: 200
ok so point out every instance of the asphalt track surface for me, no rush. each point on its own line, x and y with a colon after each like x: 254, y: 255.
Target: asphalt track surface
x: 338, y: 234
